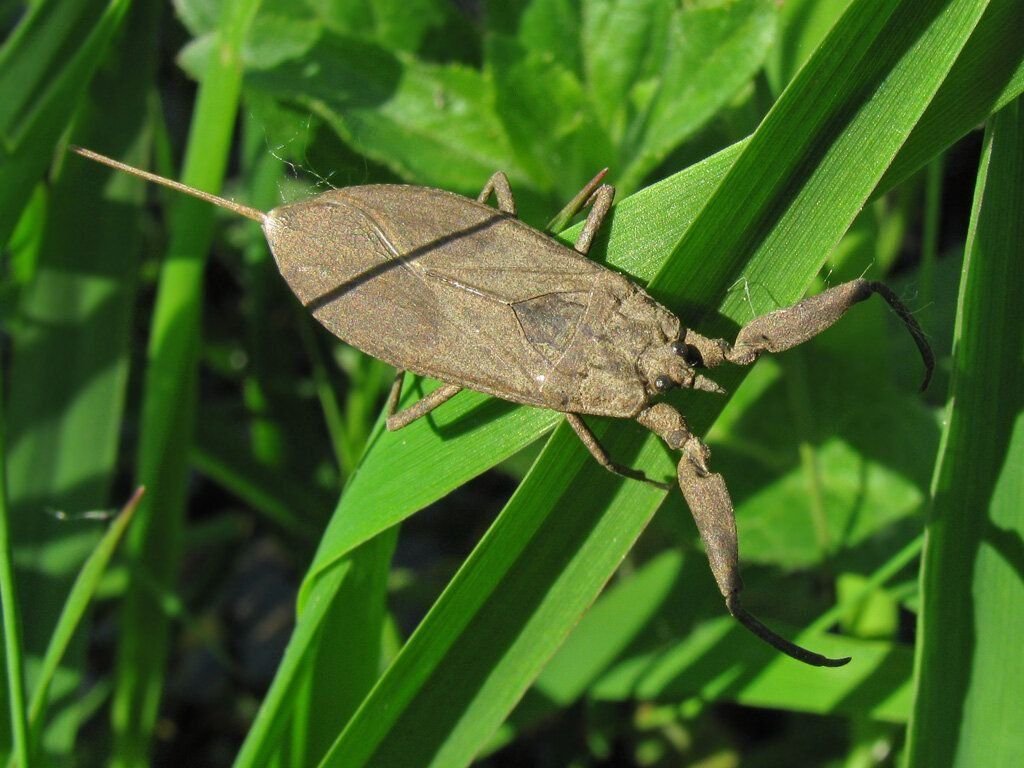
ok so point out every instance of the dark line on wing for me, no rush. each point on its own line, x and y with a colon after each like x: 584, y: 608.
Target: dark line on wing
x: 402, y: 261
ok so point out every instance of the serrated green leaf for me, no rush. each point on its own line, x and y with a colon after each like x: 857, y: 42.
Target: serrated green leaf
x: 398, y: 25
x: 548, y: 117
x: 432, y: 124
x: 711, y: 51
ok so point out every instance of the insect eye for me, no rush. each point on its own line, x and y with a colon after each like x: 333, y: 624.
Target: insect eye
x: 663, y: 383
x: 689, y: 354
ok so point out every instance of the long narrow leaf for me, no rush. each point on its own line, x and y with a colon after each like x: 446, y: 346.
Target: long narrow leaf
x: 78, y: 601
x: 169, y: 405
x: 75, y: 317
x: 969, y: 674
x: 45, y: 67
x: 15, y: 660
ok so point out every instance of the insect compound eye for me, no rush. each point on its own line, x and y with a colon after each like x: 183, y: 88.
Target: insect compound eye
x: 663, y: 383
x: 689, y: 354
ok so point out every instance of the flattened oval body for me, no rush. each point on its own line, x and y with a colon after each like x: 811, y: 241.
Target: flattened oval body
x: 443, y: 286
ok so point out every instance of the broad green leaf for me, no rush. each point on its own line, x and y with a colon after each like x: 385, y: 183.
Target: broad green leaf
x: 549, y: 28
x: 657, y: 71
x: 622, y: 44
x: 273, y: 40
x: 646, y: 639
x: 823, y: 482
x: 548, y: 117
x: 711, y: 51
x: 396, y: 24
x: 429, y: 123
x: 972, y: 583
x: 877, y: 684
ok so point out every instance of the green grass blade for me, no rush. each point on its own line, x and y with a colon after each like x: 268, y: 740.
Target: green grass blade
x: 834, y: 132
x: 169, y: 400
x: 510, y: 606
x: 44, y: 68
x: 75, y: 317
x: 972, y: 617
x: 17, y: 711
x: 806, y: 173
x: 265, y: 736
x: 81, y: 595
x: 988, y: 74
x: 623, y: 650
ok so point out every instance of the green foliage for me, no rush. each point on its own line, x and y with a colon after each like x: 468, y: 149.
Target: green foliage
x: 973, y: 571
x: 759, y: 152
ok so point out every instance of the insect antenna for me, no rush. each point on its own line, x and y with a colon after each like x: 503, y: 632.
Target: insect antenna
x: 231, y: 205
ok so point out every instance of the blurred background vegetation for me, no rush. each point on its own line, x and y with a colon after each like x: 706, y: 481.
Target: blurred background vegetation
x: 148, y: 340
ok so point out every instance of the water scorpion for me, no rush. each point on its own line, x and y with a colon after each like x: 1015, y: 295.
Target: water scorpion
x: 445, y: 286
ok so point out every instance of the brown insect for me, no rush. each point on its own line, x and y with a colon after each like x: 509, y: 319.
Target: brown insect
x: 445, y: 286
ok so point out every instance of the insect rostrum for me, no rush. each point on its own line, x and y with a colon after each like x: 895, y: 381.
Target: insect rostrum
x: 472, y: 296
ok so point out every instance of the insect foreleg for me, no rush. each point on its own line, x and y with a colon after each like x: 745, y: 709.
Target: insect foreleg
x: 712, y: 510
x: 784, y: 328
x: 589, y: 439
x: 498, y: 184
x: 397, y: 419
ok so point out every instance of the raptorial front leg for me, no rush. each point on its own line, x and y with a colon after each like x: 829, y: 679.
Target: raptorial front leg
x: 499, y: 186
x: 589, y: 439
x: 708, y: 498
x: 785, y: 328
x: 397, y: 419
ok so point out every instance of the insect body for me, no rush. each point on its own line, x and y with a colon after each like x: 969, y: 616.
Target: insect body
x: 472, y: 296
x: 441, y: 285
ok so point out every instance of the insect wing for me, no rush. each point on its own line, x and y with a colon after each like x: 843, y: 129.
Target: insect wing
x: 438, y: 284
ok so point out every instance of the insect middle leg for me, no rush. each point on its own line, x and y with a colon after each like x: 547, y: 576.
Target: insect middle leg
x: 784, y: 328
x: 711, y: 506
x: 397, y: 419
x: 599, y: 197
x: 589, y: 439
